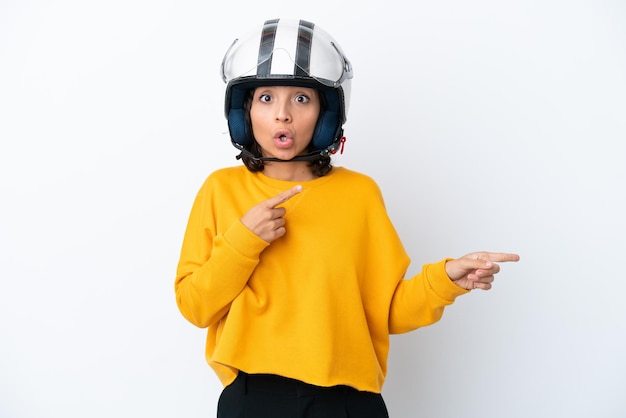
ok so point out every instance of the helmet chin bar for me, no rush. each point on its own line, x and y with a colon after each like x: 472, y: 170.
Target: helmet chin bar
x: 311, y: 156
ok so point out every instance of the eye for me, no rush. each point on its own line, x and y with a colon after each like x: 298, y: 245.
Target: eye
x: 265, y: 98
x: 302, y: 98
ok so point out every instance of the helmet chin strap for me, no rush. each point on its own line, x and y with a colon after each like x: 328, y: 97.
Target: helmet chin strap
x: 311, y: 156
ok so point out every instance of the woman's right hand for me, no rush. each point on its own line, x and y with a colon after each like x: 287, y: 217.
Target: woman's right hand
x: 266, y: 219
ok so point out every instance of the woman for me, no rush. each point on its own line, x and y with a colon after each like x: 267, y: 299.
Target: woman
x: 292, y: 264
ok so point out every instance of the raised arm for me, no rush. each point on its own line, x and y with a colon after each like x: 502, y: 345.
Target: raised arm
x: 215, y: 266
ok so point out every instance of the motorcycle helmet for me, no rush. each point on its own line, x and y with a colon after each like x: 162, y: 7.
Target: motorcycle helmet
x: 288, y: 52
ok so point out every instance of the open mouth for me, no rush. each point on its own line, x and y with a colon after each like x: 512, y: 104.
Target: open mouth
x: 283, y: 139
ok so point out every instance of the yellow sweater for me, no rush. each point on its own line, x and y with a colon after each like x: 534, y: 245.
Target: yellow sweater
x: 319, y: 303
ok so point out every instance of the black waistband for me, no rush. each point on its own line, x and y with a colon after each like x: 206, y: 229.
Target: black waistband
x: 270, y: 383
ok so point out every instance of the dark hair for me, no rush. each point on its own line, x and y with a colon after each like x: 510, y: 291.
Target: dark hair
x: 320, y: 167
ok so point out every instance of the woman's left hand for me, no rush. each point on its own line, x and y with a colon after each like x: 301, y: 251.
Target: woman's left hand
x: 477, y: 270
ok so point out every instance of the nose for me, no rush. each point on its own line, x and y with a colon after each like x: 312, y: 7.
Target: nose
x: 283, y: 113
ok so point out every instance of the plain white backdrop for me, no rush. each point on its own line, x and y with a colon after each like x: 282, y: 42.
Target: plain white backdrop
x: 489, y: 125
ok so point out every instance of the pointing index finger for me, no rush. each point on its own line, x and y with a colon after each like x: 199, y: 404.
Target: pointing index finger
x: 489, y: 258
x: 501, y: 257
x: 282, y: 197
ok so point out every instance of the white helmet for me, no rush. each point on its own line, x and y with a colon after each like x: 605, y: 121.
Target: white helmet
x: 288, y: 52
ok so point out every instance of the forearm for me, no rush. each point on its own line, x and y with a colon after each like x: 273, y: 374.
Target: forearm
x: 420, y: 301
x: 205, y: 288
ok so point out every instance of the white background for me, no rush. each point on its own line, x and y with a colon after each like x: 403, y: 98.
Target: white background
x: 497, y: 125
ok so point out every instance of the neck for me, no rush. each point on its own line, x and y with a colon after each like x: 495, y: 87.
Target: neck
x: 289, y: 171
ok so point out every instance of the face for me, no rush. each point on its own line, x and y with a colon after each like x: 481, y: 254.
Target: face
x: 283, y: 119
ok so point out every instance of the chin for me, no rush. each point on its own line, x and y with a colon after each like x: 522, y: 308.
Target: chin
x: 285, y: 159
x: 285, y: 156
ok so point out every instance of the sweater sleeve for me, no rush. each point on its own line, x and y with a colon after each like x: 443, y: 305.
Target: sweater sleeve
x: 406, y: 304
x: 213, y: 267
x: 420, y: 301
